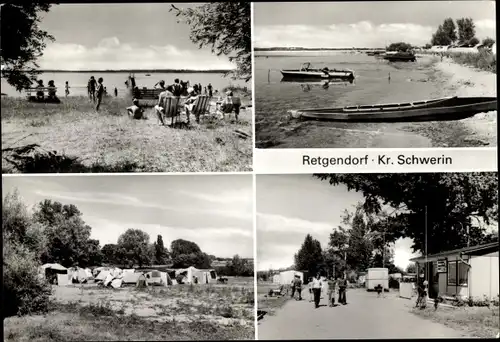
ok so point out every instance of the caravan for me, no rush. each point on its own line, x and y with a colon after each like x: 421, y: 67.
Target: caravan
x: 377, y: 276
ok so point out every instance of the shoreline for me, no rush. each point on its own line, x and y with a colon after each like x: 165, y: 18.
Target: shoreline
x: 454, y: 79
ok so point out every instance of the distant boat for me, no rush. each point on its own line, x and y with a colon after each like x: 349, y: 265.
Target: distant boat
x: 451, y: 108
x: 148, y: 74
x: 306, y: 72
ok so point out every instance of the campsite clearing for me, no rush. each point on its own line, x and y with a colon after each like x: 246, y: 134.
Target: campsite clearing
x: 179, y: 312
x: 110, y: 141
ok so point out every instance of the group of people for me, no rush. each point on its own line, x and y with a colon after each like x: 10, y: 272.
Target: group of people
x: 180, y: 88
x: 96, y: 91
x: 315, y: 286
x: 51, y: 91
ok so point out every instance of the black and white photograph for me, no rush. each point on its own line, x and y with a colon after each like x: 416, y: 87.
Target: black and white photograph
x: 377, y: 256
x: 128, y: 258
x: 377, y: 74
x: 126, y: 87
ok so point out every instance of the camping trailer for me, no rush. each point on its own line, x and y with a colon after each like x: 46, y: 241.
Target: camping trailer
x: 286, y: 277
x: 377, y: 276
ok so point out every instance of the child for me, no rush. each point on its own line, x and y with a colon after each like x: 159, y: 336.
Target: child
x: 136, y: 111
x: 99, y: 92
x: 66, y: 89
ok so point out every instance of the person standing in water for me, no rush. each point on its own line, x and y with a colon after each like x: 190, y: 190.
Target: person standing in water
x: 66, y: 89
x: 99, y: 93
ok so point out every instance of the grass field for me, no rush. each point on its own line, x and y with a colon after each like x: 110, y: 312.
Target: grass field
x: 267, y: 303
x: 481, y: 322
x: 109, y: 141
x: 181, y: 312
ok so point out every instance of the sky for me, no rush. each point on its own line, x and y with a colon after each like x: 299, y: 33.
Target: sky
x: 291, y: 206
x: 214, y: 211
x: 363, y: 24
x: 122, y: 36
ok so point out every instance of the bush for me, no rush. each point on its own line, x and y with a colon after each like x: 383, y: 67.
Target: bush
x: 25, y: 292
x: 393, y: 283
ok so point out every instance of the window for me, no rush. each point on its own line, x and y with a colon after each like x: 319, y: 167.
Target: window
x: 463, y: 271
x: 457, y: 273
x: 452, y: 273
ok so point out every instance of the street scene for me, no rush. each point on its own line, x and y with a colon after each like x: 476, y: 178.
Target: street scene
x: 377, y: 256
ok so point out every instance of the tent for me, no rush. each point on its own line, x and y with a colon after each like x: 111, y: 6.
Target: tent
x: 62, y: 279
x: 165, y: 279
x: 80, y: 275
x: 196, y: 276
x: 154, y: 277
x: 102, y: 275
x: 276, y: 279
x: 141, y: 281
x: 286, y: 277
x: 108, y: 279
x: 116, y: 283
x: 130, y: 278
x: 115, y: 272
x: 50, y: 272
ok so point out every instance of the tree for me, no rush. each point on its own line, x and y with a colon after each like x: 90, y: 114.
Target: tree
x: 449, y: 30
x: 401, y: 46
x: 225, y: 28
x: 427, y: 46
x: 187, y: 253
x: 238, y: 267
x: 449, y: 203
x: 411, y: 268
x: 359, y: 252
x: 440, y: 37
x: 133, y: 248
x: 93, y: 255
x: 23, y: 41
x: 466, y: 30
x: 310, y: 256
x: 488, y: 42
x: 161, y: 253
x: 110, y: 254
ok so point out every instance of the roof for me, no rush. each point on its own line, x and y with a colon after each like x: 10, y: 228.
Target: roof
x: 474, y: 250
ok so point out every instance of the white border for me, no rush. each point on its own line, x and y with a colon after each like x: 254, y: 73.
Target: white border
x: 286, y: 161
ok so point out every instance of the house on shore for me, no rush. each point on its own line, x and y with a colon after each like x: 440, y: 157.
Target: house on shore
x: 465, y: 272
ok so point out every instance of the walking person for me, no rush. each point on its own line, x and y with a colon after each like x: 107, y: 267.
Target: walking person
x: 342, y: 283
x: 99, y: 93
x: 317, y: 284
x: 66, y: 89
x: 292, y: 286
x: 297, y: 284
x: 332, y: 287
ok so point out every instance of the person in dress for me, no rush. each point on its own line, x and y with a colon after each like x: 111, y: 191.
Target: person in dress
x: 317, y: 284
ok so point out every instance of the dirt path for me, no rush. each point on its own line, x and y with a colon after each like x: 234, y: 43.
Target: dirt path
x: 365, y: 316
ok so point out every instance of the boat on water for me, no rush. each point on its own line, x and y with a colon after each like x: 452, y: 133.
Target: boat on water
x: 307, y: 72
x: 392, y: 56
x: 148, y: 74
x: 451, y: 108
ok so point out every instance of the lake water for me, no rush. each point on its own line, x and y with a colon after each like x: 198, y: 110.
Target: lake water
x: 78, y: 81
x: 376, y: 81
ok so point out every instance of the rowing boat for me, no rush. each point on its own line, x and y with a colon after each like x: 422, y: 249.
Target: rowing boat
x: 451, y: 108
x: 306, y: 72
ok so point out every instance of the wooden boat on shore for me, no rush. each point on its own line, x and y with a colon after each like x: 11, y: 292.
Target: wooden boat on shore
x: 307, y: 72
x: 451, y: 108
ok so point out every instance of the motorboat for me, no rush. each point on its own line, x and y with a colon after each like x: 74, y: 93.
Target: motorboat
x: 307, y: 72
x: 398, y: 56
x: 451, y: 108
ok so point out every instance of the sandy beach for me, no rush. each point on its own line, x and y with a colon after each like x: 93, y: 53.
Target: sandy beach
x: 460, y: 80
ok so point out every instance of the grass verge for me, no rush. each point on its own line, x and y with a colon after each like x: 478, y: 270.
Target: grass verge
x: 480, y: 322
x: 483, y: 60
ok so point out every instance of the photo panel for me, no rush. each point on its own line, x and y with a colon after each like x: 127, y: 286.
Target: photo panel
x: 377, y: 74
x: 89, y: 90
x: 374, y: 256
x: 103, y: 257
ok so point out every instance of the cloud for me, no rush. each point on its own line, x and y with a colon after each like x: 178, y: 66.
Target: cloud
x: 112, y: 54
x: 220, y: 241
x: 124, y: 200
x: 231, y: 196
x: 360, y: 34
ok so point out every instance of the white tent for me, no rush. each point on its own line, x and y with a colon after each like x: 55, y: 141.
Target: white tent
x: 102, y: 275
x: 130, y: 277
x: 276, y: 279
x: 116, y: 283
x: 194, y: 275
x: 108, y: 279
x: 286, y: 277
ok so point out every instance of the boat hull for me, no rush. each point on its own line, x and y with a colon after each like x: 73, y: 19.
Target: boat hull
x: 316, y: 75
x: 435, y: 110
x: 393, y: 58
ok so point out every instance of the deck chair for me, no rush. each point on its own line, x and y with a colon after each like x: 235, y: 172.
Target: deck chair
x: 170, y: 107
x: 201, y: 106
